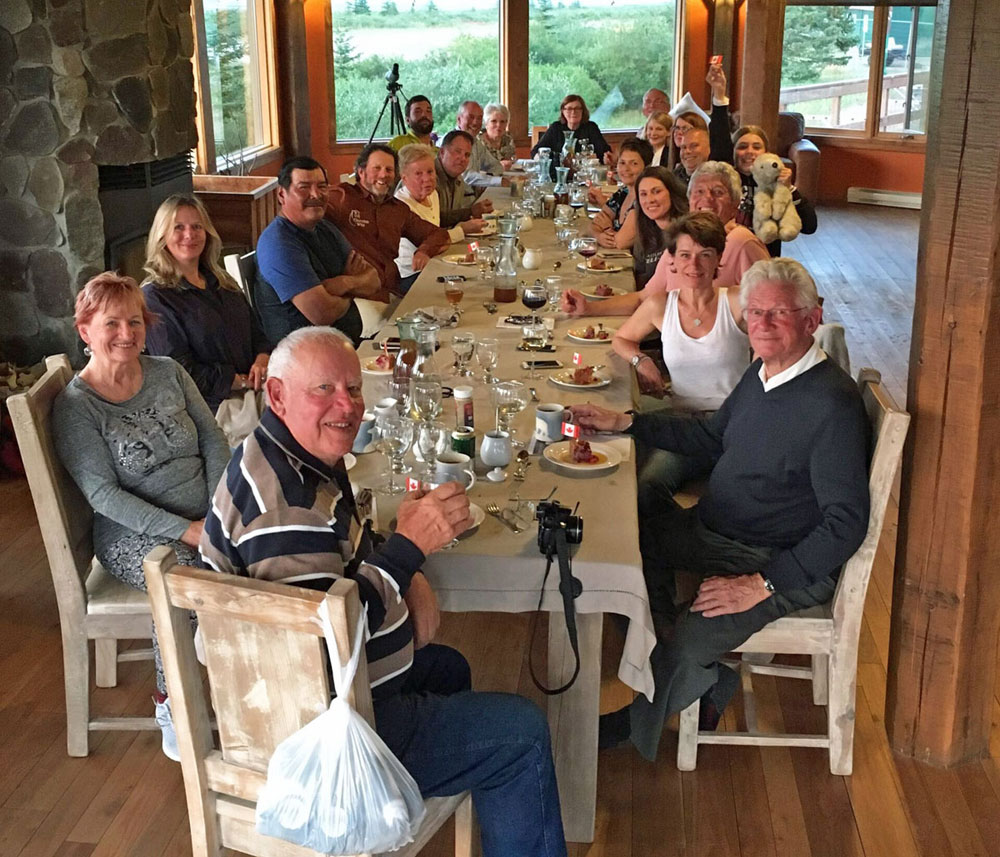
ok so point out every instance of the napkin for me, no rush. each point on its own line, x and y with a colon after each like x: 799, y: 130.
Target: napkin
x: 621, y: 443
x: 445, y: 316
x: 502, y: 323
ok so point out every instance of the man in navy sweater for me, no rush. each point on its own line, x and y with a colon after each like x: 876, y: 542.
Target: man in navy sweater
x: 787, y: 503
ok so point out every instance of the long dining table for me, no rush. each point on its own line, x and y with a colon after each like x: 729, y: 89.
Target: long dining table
x: 494, y: 569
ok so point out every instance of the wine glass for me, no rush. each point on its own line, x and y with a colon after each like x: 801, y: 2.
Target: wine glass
x: 395, y: 434
x: 463, y: 344
x: 399, y: 389
x: 425, y: 398
x: 534, y: 297
x: 586, y: 246
x: 454, y: 291
x: 487, y: 353
x: 511, y: 398
x: 534, y: 336
x: 554, y: 289
x: 578, y: 197
x: 432, y: 440
x: 566, y: 235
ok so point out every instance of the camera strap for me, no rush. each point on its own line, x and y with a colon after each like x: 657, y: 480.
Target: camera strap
x: 570, y: 588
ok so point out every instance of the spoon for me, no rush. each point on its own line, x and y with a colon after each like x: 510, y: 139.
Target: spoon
x: 523, y: 462
x: 534, y: 394
x: 490, y: 307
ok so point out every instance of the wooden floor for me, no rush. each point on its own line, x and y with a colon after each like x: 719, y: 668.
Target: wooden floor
x: 127, y: 798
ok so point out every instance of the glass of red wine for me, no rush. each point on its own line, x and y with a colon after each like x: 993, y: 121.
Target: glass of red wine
x: 534, y: 298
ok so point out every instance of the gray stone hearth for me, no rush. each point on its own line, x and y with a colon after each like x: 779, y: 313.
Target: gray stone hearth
x: 82, y: 83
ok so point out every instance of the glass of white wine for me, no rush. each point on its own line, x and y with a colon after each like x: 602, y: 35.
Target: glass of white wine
x: 463, y: 345
x: 395, y: 435
x: 487, y: 353
x: 510, y: 398
x: 425, y: 398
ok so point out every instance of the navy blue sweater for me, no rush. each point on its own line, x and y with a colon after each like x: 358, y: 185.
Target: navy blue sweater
x: 791, y: 469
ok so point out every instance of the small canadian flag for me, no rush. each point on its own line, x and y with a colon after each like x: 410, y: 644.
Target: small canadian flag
x: 570, y: 430
x: 473, y: 246
x: 577, y: 358
x: 412, y: 484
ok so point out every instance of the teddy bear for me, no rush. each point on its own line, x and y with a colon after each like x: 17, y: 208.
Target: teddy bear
x: 774, y: 214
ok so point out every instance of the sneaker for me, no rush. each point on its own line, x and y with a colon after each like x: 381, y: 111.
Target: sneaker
x: 165, y: 720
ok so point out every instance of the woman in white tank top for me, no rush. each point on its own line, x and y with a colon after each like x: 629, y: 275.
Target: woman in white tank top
x: 705, y: 348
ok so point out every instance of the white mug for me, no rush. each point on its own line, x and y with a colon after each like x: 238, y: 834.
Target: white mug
x: 386, y: 407
x: 549, y: 417
x: 364, y: 435
x: 454, y: 467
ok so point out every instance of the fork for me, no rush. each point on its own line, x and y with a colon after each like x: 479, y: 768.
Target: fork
x: 496, y: 512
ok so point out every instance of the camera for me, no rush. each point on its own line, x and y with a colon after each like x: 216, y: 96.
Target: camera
x: 392, y: 75
x: 553, y: 516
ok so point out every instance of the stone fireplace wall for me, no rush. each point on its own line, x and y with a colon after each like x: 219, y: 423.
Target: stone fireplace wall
x: 82, y: 83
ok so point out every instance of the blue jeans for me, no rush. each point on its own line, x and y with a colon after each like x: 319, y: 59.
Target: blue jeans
x: 495, y: 745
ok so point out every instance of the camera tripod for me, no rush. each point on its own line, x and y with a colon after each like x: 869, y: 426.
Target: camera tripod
x: 396, y: 123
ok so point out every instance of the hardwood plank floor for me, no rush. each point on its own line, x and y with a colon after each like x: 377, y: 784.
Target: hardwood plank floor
x: 126, y: 798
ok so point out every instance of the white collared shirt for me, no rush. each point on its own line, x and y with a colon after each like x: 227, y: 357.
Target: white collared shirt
x: 812, y: 357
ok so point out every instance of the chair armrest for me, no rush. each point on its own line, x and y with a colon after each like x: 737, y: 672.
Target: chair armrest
x: 805, y: 156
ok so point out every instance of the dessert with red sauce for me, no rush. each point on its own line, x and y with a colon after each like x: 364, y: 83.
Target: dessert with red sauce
x: 597, y: 264
x: 604, y: 290
x: 581, y: 453
x: 583, y: 375
x: 382, y: 362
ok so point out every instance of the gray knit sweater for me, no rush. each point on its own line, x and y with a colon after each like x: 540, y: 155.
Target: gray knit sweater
x: 147, y: 465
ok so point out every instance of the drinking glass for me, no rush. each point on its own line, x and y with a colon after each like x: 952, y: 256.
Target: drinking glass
x: 534, y: 336
x: 534, y: 297
x: 454, y: 291
x: 566, y: 235
x: 487, y: 354
x: 425, y: 398
x: 463, y: 344
x: 399, y: 389
x: 586, y: 246
x: 432, y: 440
x: 395, y: 434
x: 511, y: 397
x: 554, y: 289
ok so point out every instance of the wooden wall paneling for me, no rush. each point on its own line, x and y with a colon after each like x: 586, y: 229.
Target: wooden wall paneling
x: 514, y: 65
x: 761, y: 78
x: 946, y: 604
x: 293, y: 77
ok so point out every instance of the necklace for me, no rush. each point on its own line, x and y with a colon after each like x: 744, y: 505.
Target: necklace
x: 697, y: 322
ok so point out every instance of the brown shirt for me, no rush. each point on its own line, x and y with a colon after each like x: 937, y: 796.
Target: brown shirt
x: 374, y: 229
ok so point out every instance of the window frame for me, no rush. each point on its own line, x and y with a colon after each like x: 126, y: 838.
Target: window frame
x: 207, y: 160
x: 871, y: 136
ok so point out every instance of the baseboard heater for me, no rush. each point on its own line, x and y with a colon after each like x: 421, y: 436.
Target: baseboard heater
x: 894, y: 198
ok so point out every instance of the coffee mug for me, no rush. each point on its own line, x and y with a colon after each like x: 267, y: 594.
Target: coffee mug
x: 549, y: 417
x: 364, y: 435
x: 386, y: 407
x: 454, y: 467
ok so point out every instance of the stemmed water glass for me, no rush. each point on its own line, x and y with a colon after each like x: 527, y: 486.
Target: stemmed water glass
x: 487, y: 354
x: 425, y: 398
x: 554, y: 289
x: 463, y: 344
x: 432, y: 440
x: 395, y: 434
x: 509, y: 398
x: 399, y: 389
x: 534, y: 336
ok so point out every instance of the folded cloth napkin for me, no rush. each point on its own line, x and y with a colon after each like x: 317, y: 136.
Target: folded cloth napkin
x: 445, y: 316
x: 621, y: 443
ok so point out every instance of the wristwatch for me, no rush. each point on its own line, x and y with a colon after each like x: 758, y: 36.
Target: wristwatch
x: 636, y: 359
x: 768, y: 585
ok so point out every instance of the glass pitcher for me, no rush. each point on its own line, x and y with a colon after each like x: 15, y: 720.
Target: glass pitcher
x: 426, y: 364
x: 505, y: 274
x: 561, y: 190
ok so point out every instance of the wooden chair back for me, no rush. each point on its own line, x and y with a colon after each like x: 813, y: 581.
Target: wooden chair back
x: 65, y: 518
x: 264, y: 654
x: 889, y: 425
x: 536, y: 134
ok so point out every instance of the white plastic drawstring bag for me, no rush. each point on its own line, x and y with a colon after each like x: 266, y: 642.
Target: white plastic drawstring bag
x: 333, y: 785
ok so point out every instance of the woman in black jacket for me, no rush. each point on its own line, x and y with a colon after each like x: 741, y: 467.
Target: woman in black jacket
x: 573, y: 116
x: 205, y: 322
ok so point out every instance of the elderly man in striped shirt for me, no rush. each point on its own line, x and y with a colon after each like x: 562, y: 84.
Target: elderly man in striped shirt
x: 285, y: 512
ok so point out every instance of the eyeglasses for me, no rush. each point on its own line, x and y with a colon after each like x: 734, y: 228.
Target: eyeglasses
x: 779, y: 315
x: 573, y: 110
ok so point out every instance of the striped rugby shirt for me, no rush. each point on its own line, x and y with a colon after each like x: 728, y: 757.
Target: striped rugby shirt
x: 281, y: 514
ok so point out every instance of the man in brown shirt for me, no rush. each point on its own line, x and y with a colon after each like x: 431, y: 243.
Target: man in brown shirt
x: 373, y: 220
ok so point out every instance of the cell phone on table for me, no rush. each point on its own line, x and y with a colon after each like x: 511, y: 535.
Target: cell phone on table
x: 541, y: 364
x: 390, y: 344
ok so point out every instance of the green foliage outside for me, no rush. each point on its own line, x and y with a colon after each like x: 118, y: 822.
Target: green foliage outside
x: 815, y: 37
x: 232, y: 115
x: 600, y: 54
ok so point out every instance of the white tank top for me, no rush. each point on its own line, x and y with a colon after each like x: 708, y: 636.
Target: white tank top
x: 703, y: 372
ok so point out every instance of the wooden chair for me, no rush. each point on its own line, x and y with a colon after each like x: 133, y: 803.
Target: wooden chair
x: 263, y: 648
x: 536, y: 134
x: 828, y: 633
x: 92, y: 604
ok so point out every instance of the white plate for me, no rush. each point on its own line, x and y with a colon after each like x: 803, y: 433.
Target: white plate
x: 458, y: 259
x: 610, y: 269
x: 558, y: 453
x: 564, y: 378
x: 349, y: 460
x: 478, y: 516
x: 576, y: 334
x: 596, y: 297
x: 491, y: 229
x: 369, y: 367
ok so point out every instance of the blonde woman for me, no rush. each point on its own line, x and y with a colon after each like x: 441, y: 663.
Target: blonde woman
x: 657, y: 134
x: 205, y: 322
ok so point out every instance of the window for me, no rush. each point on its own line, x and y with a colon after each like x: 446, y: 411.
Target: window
x: 610, y: 54
x: 831, y: 74
x: 235, y: 82
x: 448, y: 50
